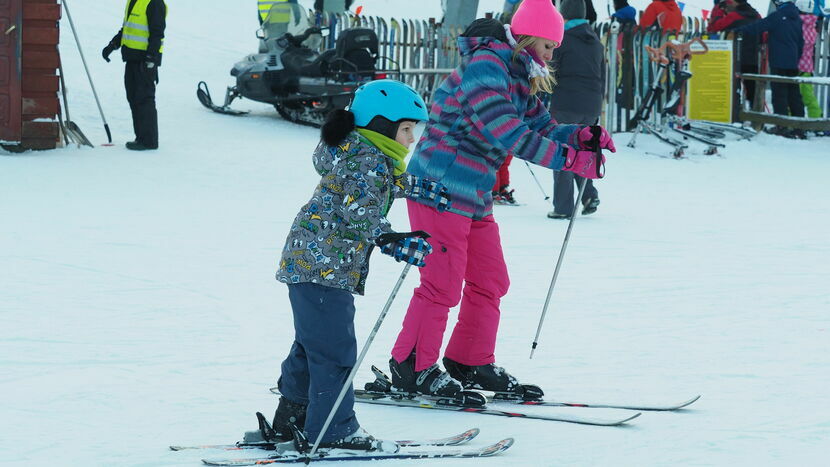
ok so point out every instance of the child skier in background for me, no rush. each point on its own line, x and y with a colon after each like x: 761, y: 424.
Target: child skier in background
x: 484, y: 111
x: 326, y: 255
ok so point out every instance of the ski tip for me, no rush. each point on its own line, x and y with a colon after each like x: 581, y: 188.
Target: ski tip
x: 275, y: 390
x: 497, y: 448
x: 471, y: 433
x: 630, y: 418
x: 689, y: 402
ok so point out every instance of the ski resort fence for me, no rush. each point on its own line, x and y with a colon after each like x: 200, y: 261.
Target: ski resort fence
x: 425, y: 52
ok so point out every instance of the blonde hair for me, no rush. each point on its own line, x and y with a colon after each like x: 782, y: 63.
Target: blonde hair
x: 538, y: 83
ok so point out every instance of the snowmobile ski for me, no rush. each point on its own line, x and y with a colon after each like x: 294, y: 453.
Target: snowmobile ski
x: 347, y: 455
x: 454, y: 440
x: 505, y: 398
x: 427, y: 402
x: 203, y: 95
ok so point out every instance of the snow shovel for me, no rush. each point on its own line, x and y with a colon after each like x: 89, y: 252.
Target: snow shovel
x: 88, y: 75
x: 73, y: 132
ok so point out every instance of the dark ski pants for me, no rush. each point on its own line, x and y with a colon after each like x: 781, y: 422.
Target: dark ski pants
x: 140, y: 84
x: 563, y: 191
x: 321, y: 357
x: 563, y: 182
x: 786, y: 97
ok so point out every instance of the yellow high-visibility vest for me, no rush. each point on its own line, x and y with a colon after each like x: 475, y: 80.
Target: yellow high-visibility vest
x: 281, y: 16
x: 135, y: 33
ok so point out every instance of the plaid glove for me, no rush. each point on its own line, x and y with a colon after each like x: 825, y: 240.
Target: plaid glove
x: 433, y: 191
x: 410, y: 249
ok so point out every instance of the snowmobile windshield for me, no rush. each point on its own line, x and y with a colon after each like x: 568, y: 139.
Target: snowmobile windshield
x: 285, y: 18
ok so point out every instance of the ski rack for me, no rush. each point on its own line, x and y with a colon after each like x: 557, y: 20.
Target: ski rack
x: 698, y: 130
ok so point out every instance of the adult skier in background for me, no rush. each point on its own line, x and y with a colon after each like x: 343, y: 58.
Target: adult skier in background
x: 325, y: 259
x: 579, y: 67
x: 786, y: 43
x: 141, y: 40
x: 484, y: 111
x: 738, y: 13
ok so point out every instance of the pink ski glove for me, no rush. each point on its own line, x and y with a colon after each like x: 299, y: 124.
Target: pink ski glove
x: 585, y: 138
x: 586, y: 164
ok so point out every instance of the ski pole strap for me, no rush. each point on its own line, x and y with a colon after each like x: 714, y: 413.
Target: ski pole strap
x: 596, y: 132
x: 387, y: 238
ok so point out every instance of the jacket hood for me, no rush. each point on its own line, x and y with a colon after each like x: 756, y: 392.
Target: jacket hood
x: 325, y: 157
x: 671, y: 5
x: 583, y: 33
x: 747, y: 11
x: 469, y: 45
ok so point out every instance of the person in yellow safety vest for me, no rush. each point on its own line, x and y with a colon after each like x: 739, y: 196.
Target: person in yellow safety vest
x: 141, y: 40
x: 264, y: 7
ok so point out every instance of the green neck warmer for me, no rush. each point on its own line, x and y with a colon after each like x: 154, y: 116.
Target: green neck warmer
x: 390, y: 147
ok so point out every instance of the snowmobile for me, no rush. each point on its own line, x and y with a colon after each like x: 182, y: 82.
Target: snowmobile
x: 302, y: 84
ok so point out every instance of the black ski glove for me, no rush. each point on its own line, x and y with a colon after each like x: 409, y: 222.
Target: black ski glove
x: 110, y: 48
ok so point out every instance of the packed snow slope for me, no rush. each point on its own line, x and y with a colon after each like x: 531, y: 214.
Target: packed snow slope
x: 138, y: 307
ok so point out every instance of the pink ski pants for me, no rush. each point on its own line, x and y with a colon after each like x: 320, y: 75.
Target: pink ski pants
x: 466, y: 254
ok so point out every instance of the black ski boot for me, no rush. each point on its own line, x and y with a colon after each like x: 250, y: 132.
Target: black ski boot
x: 288, y: 413
x: 492, y: 378
x: 431, y: 382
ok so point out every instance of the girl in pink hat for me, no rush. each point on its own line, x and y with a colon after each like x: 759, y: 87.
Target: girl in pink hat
x: 485, y: 111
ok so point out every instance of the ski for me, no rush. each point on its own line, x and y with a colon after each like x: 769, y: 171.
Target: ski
x: 424, y: 402
x: 346, y: 455
x: 500, y: 398
x: 454, y: 440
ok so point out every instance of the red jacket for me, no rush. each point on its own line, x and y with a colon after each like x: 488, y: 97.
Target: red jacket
x: 725, y: 22
x: 665, y: 14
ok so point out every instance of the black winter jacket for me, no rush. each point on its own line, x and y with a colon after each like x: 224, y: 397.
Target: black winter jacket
x: 579, y: 67
x: 785, y: 36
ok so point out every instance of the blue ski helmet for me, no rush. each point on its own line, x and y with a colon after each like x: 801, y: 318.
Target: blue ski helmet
x: 388, y: 98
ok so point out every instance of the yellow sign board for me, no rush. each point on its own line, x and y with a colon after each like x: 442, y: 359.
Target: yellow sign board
x: 709, y: 94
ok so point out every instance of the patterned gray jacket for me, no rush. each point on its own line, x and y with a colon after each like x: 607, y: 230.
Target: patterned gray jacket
x: 333, y: 235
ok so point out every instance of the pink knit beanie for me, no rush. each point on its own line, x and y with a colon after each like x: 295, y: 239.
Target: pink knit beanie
x: 538, y: 18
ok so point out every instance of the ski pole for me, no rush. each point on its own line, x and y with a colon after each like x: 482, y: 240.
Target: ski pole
x: 362, y: 355
x: 596, y: 132
x: 88, y: 75
x: 537, y: 181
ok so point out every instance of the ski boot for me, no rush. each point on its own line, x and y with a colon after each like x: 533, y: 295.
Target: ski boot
x: 431, y: 381
x: 506, y: 196
x: 590, y: 206
x: 492, y: 378
x: 497, y: 198
x: 556, y: 215
x: 279, y: 431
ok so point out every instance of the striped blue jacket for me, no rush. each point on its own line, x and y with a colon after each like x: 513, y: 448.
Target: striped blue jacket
x: 481, y: 113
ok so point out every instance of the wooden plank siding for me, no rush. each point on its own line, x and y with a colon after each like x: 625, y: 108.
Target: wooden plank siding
x: 41, y: 36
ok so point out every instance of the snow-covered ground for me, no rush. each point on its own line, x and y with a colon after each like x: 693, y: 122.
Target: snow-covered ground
x: 138, y: 307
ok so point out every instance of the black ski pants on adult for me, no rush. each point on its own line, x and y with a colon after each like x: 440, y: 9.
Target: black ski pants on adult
x: 140, y: 83
x: 786, y: 97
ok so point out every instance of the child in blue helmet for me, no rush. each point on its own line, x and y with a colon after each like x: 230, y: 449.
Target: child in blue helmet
x: 326, y: 255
